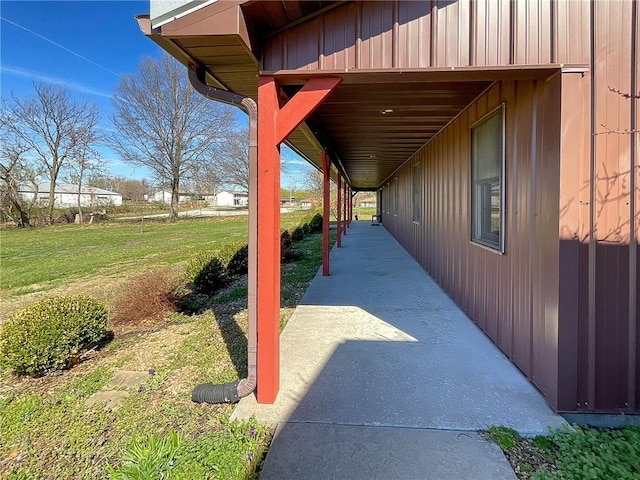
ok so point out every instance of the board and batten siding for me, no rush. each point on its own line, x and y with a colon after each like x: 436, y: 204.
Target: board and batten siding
x: 562, y: 301
x: 512, y: 297
x: 444, y: 33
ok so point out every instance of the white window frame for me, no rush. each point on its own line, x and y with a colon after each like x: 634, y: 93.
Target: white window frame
x: 478, y: 233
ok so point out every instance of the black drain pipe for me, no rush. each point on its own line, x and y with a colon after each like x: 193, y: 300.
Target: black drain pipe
x: 233, y: 392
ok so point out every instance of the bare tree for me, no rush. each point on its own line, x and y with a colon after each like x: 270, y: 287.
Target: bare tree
x: 86, y: 164
x: 315, y: 182
x: 15, y: 172
x: 163, y: 124
x: 232, y: 164
x: 54, y: 128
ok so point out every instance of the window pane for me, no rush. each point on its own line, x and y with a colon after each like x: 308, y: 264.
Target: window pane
x: 487, y: 159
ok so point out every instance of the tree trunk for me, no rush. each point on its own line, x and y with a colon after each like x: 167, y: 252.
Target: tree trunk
x: 52, y: 197
x: 80, y: 220
x: 24, y: 221
x: 173, y: 216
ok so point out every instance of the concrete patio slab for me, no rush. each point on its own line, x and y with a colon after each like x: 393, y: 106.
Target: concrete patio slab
x: 379, y: 344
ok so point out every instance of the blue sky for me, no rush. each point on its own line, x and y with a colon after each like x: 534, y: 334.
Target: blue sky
x: 85, y: 46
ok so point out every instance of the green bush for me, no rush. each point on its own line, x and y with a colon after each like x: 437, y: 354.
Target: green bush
x: 196, y: 264
x: 238, y: 264
x: 47, y: 336
x: 285, y: 240
x: 297, y: 235
x: 306, y: 228
x: 315, y: 223
x: 211, y: 278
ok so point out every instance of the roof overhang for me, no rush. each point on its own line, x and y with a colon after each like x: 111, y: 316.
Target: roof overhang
x: 370, y: 125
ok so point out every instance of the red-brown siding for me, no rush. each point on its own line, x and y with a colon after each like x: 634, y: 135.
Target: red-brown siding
x: 411, y: 34
x: 512, y: 297
x: 562, y: 302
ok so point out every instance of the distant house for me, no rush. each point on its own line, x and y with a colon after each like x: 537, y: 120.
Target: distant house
x: 368, y: 202
x: 164, y: 196
x: 310, y: 202
x: 228, y: 198
x: 210, y: 198
x: 66, y: 195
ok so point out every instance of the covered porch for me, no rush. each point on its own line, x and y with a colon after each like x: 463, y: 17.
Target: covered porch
x: 357, y: 111
x: 476, y: 125
x: 383, y: 376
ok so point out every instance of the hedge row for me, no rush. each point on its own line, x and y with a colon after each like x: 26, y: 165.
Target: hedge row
x: 208, y: 272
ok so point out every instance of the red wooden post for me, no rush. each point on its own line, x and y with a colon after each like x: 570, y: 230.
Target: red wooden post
x: 274, y: 125
x: 268, y: 288
x: 326, y: 212
x: 344, y: 209
x: 338, y: 213
x: 350, y: 207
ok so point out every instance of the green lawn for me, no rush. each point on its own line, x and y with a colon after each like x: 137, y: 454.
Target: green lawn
x: 43, y: 258
x: 46, y: 429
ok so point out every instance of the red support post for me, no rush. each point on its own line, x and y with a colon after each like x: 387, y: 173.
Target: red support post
x: 344, y: 209
x: 349, y: 208
x: 326, y: 212
x: 338, y: 213
x: 268, y: 288
x: 274, y: 125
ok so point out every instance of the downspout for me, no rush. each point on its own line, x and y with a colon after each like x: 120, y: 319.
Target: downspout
x: 233, y: 392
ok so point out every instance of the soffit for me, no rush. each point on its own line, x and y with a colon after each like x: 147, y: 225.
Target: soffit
x: 370, y: 125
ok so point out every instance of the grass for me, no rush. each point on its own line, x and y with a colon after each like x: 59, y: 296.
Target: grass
x: 579, y: 454
x: 47, y: 430
x: 42, y: 258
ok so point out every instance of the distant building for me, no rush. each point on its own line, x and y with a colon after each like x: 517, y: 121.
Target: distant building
x: 66, y: 195
x: 164, y: 196
x: 228, y: 198
x: 368, y: 202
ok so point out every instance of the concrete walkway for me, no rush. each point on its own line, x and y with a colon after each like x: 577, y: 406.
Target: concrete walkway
x: 384, y: 377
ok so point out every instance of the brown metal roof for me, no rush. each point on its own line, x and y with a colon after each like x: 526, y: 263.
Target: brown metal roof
x: 373, y: 122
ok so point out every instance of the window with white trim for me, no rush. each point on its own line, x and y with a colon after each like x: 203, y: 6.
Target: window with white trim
x: 487, y: 173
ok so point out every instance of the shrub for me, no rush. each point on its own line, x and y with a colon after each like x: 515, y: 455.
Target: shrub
x: 297, y: 235
x: 285, y: 240
x: 48, y: 335
x: 211, y: 278
x: 316, y: 223
x: 290, y: 255
x: 146, y: 298
x: 306, y: 228
x: 196, y: 264
x: 285, y: 245
x: 235, y: 257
